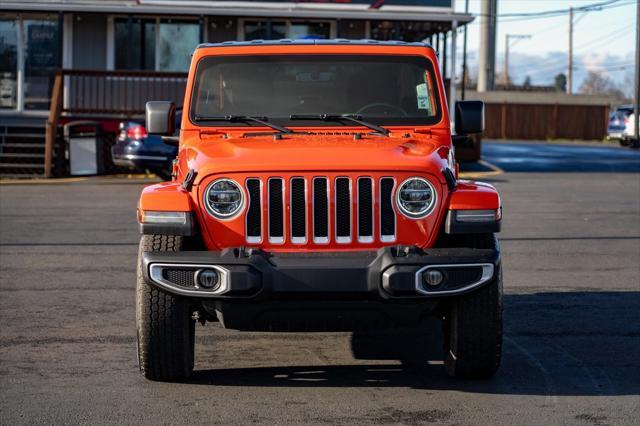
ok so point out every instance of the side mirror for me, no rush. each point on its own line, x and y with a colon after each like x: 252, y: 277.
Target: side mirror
x: 161, y: 118
x: 469, y: 117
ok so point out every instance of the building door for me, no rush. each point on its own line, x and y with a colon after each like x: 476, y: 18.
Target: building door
x: 30, y: 54
x: 42, y: 57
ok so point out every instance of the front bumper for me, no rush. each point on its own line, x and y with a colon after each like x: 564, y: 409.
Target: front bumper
x: 384, y: 275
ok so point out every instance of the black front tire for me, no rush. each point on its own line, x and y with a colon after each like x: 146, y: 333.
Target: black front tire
x: 473, y: 326
x: 165, y: 328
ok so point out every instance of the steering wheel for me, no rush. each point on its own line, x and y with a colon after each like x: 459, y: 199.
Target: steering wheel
x: 382, y: 104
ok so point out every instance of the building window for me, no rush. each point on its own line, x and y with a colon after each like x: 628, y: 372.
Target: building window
x: 309, y: 30
x: 8, y: 62
x: 42, y: 59
x: 135, y: 41
x: 154, y: 44
x: 176, y: 43
x: 265, y: 30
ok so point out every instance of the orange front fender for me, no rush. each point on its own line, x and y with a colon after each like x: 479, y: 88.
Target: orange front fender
x: 471, y: 195
x: 165, y: 196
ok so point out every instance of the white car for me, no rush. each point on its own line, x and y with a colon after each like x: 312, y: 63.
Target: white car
x: 621, y: 124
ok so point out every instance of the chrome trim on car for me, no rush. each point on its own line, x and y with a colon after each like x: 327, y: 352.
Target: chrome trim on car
x: 320, y: 240
x: 276, y: 240
x: 297, y: 240
x: 145, y: 157
x: 252, y: 239
x: 368, y: 238
x: 343, y: 239
x: 155, y: 273
x: 487, y: 274
x: 428, y: 211
x: 387, y: 238
x: 225, y: 216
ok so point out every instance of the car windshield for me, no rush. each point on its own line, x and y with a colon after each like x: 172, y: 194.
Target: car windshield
x: 381, y: 89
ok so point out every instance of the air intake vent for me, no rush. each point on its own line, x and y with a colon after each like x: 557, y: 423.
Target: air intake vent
x: 343, y: 210
x: 387, y: 214
x: 320, y: 210
x: 254, y: 213
x: 276, y: 211
x: 365, y: 210
x: 298, y: 211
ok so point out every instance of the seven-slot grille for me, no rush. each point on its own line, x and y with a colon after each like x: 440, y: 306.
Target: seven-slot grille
x: 320, y: 210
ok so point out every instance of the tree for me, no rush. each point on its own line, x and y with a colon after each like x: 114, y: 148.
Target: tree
x: 527, y: 82
x: 560, y: 82
x: 598, y: 84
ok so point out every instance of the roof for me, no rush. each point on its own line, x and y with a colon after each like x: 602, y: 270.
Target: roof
x: 277, y: 8
x: 337, y: 41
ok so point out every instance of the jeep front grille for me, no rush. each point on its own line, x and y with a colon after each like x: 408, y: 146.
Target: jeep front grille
x: 320, y: 209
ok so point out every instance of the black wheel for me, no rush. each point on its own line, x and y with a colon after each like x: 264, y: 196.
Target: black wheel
x: 165, y: 328
x: 473, y: 328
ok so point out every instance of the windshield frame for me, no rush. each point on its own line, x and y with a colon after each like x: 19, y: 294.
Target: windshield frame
x: 424, y: 61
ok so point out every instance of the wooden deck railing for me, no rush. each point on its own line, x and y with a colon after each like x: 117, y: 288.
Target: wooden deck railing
x: 106, y: 95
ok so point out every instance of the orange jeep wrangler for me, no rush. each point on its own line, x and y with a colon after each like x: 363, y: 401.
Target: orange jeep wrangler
x: 316, y: 189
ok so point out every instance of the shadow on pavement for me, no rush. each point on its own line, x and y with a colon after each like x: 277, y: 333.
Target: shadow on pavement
x: 556, y: 344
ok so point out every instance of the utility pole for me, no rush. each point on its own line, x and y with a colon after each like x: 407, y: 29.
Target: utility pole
x: 487, y: 59
x: 464, y: 52
x: 507, y: 43
x: 570, y: 70
x: 636, y: 99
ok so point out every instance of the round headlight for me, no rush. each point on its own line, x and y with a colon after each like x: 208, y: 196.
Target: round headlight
x: 416, y: 197
x: 223, y: 198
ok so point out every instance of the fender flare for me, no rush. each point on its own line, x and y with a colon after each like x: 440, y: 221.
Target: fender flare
x: 167, y: 197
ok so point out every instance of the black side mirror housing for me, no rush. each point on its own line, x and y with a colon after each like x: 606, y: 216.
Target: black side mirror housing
x: 160, y: 117
x: 469, y: 116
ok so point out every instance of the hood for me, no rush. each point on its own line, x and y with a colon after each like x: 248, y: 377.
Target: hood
x: 213, y: 154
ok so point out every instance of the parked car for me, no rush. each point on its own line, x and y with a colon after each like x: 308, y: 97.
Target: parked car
x: 137, y: 149
x: 621, y: 125
x: 317, y: 190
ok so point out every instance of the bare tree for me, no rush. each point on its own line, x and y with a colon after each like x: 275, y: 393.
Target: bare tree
x: 598, y: 84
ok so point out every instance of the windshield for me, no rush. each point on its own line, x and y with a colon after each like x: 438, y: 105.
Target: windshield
x: 382, y: 89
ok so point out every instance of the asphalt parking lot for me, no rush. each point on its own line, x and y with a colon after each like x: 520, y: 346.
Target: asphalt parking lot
x: 571, y: 254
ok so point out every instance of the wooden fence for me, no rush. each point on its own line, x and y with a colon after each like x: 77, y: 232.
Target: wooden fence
x: 545, y: 121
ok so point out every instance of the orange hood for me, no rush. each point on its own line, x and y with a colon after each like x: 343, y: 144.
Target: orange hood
x: 214, y: 155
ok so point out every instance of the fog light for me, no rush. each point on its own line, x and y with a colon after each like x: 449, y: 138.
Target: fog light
x: 432, y: 277
x: 207, y: 278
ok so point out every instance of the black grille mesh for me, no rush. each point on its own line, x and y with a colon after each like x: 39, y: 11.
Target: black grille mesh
x: 298, y: 208
x: 365, y: 207
x: 343, y: 208
x: 276, y: 215
x: 254, y: 226
x: 181, y: 277
x: 387, y: 216
x: 458, y: 277
x: 320, y: 208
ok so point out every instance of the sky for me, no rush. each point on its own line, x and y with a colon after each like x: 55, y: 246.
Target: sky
x: 604, y: 40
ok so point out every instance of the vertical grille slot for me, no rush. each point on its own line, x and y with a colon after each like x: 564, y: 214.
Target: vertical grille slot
x: 276, y: 210
x: 298, y: 210
x: 254, y: 212
x: 387, y: 214
x: 365, y: 210
x: 320, y: 210
x: 343, y: 210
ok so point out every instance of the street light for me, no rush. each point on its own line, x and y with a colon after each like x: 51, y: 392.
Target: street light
x: 507, y: 43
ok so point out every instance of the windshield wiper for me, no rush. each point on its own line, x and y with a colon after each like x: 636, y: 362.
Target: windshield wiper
x: 354, y: 118
x: 243, y: 118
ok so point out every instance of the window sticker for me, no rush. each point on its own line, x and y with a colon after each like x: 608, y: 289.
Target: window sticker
x: 422, y: 96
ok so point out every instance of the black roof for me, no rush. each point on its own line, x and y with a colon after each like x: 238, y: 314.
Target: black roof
x: 305, y: 42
